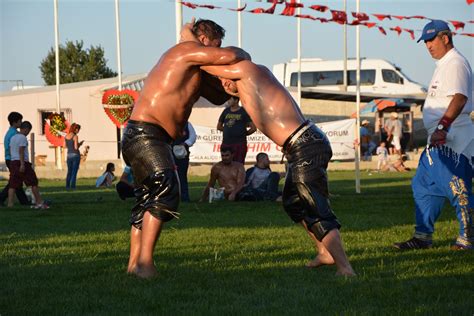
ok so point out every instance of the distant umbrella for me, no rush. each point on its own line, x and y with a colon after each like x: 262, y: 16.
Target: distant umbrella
x: 381, y: 104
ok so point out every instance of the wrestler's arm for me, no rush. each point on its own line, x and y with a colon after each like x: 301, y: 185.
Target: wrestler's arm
x: 200, y: 55
x: 240, y: 182
x: 210, y: 184
x: 233, y: 72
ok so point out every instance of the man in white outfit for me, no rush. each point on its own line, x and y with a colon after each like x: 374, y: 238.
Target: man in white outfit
x: 445, y: 167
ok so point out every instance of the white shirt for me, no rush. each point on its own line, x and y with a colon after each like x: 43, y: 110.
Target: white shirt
x: 17, y: 141
x: 452, y: 75
x: 258, y: 176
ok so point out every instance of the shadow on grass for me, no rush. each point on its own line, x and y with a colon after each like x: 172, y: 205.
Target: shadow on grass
x: 261, y: 279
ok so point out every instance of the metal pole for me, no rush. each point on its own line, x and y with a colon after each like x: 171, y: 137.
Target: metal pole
x: 239, y: 25
x: 117, y: 34
x: 119, y: 68
x: 57, y: 149
x: 345, y: 49
x: 357, y: 152
x: 298, y: 54
x: 179, y: 19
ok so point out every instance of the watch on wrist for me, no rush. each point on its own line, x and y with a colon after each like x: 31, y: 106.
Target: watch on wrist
x: 440, y: 127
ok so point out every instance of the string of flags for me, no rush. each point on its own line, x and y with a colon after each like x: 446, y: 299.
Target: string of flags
x: 339, y: 17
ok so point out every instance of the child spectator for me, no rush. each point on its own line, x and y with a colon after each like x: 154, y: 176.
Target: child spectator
x: 382, y: 154
x: 106, y: 179
x: 21, y: 169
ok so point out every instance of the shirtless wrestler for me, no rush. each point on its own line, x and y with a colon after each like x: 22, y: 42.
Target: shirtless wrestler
x: 229, y: 174
x: 305, y: 195
x: 158, y: 117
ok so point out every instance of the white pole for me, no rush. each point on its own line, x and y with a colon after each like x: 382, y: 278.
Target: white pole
x: 179, y: 19
x: 119, y: 61
x: 239, y: 25
x: 57, y: 150
x: 298, y: 54
x: 117, y: 33
x: 345, y: 50
x: 357, y: 152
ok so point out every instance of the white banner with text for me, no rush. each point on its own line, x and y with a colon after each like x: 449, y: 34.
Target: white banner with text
x: 341, y: 134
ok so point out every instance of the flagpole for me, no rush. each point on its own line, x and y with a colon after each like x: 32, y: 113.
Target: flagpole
x: 57, y: 149
x: 298, y: 54
x: 239, y: 25
x: 357, y: 144
x: 345, y: 49
x: 179, y: 19
x: 117, y: 34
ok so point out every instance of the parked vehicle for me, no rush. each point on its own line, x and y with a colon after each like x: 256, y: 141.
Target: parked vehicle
x: 376, y: 76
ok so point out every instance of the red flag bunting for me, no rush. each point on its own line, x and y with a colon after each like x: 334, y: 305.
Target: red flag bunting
x: 306, y: 16
x: 412, y: 33
x: 400, y: 17
x: 289, y: 9
x: 360, y: 16
x: 382, y: 30
x: 239, y: 9
x: 339, y: 16
x: 457, y: 24
x: 320, y: 8
x: 469, y: 2
x: 369, y: 24
x: 189, y: 5
x: 257, y: 10
x: 472, y: 21
x: 396, y: 29
x: 467, y: 34
x: 381, y: 17
x: 418, y: 17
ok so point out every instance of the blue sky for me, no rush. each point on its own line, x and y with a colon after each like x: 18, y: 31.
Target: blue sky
x: 148, y: 30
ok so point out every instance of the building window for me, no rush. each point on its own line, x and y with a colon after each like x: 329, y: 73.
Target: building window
x: 43, y: 115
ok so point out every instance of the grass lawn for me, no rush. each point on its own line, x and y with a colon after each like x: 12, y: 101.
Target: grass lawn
x: 229, y: 258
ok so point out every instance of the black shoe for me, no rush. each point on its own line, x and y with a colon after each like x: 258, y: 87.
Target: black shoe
x: 414, y: 243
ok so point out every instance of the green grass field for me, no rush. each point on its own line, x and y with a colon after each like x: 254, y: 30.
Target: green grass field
x: 229, y: 258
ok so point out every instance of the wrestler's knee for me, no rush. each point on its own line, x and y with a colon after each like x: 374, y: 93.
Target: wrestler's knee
x: 321, y: 228
x: 163, y: 198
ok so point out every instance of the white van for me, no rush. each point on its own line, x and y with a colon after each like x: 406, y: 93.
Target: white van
x: 377, y: 76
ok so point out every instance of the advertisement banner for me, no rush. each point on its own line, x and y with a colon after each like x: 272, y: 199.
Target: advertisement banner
x: 341, y: 134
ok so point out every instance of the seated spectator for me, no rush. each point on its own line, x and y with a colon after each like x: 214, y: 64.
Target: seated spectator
x: 125, y: 187
x: 106, y: 179
x: 398, y: 166
x: 261, y: 183
x: 21, y: 169
x: 229, y: 174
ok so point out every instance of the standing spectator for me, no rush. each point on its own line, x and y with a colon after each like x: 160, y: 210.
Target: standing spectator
x: 72, y: 144
x: 181, y: 158
x: 382, y: 156
x: 235, y: 124
x: 106, y: 179
x: 366, y: 144
x: 21, y: 169
x: 393, y: 128
x: 14, y: 118
x: 126, y: 185
x: 261, y: 184
x: 445, y: 170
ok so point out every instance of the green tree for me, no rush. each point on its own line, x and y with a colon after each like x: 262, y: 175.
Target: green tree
x: 75, y: 64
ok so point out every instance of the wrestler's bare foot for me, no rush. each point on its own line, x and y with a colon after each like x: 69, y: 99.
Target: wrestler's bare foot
x: 347, y: 272
x: 144, y: 272
x: 320, y: 260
